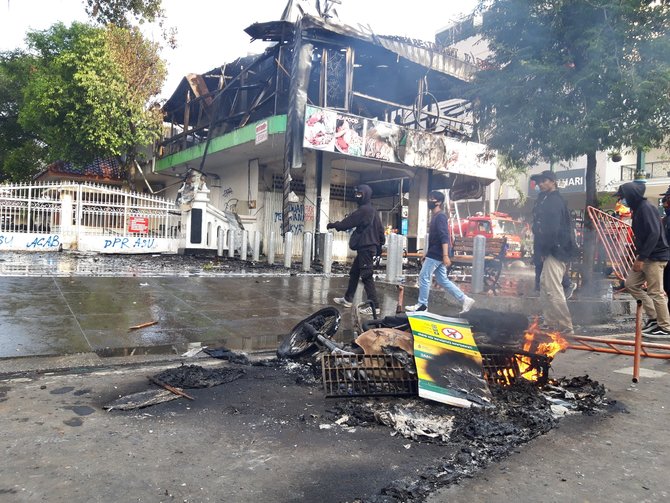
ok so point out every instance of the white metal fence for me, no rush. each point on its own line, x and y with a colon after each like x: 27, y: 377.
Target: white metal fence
x: 86, y: 217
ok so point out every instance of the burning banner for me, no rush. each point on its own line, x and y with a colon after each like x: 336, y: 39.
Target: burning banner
x: 448, y: 362
x: 453, y: 369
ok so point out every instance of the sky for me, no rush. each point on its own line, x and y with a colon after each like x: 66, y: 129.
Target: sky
x: 209, y: 35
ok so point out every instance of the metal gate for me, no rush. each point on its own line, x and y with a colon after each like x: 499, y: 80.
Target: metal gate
x: 86, y: 217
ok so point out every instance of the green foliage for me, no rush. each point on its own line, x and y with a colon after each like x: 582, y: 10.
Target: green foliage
x: 89, y: 94
x: 21, y: 152
x: 119, y: 12
x: 508, y: 173
x: 570, y: 77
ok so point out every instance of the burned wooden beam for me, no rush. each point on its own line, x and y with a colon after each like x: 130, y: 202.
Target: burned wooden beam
x: 171, y: 389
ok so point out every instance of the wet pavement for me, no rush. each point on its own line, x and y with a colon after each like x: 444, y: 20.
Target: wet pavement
x: 60, y: 303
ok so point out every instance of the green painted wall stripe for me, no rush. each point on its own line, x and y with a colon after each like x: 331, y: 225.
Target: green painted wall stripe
x: 276, y: 125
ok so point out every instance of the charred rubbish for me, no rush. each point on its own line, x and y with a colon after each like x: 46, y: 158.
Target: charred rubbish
x: 473, y: 438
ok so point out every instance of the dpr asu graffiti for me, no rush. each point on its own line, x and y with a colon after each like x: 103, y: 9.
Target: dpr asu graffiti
x: 130, y: 244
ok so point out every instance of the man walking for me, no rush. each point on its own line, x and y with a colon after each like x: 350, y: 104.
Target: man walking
x: 436, y: 258
x: 367, y: 240
x: 554, y: 246
x: 652, y: 255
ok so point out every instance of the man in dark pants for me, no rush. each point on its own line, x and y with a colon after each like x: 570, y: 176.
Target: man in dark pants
x: 652, y: 255
x: 554, y: 246
x: 666, y: 226
x: 367, y: 240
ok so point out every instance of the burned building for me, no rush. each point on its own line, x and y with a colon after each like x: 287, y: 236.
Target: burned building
x: 283, y: 137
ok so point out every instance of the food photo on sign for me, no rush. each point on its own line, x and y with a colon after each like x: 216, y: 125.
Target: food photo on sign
x: 349, y: 134
x: 382, y: 140
x: 319, y: 128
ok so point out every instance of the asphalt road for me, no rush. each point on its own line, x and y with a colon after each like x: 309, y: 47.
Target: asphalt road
x: 266, y: 437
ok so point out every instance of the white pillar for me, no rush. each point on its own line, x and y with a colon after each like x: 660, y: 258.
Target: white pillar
x: 288, y: 249
x: 328, y: 253
x: 270, y: 251
x: 306, y: 251
x: 256, y: 251
x: 417, y: 221
x: 231, y: 243
x: 243, y: 249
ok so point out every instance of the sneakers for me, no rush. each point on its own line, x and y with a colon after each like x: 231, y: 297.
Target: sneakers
x: 649, y: 326
x: 570, y: 290
x: 467, y: 304
x: 368, y: 310
x: 657, y: 334
x: 342, y: 301
x: 415, y: 308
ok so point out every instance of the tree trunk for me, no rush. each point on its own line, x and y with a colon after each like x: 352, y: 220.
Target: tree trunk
x: 589, y: 249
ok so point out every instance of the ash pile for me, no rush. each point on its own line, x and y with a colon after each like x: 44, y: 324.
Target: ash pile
x: 494, y: 403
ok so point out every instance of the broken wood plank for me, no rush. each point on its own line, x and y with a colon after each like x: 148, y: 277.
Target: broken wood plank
x: 172, y: 389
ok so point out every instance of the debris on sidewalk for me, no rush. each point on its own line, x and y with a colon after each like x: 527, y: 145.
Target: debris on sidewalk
x: 173, y: 380
x: 141, y: 400
x: 143, y: 325
x: 171, y: 389
x: 194, y: 376
x: 223, y: 353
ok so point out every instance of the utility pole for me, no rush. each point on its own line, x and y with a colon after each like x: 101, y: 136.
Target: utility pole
x: 639, y: 165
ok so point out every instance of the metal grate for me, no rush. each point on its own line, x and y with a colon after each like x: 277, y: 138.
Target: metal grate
x: 366, y: 375
x: 504, y: 366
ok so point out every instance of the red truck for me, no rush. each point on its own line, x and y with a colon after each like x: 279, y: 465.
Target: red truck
x: 495, y: 224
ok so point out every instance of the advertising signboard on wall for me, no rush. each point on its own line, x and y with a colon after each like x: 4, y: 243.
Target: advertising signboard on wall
x: 569, y: 181
x: 333, y: 131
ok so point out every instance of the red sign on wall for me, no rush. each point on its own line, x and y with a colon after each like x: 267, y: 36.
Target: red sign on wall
x: 138, y: 224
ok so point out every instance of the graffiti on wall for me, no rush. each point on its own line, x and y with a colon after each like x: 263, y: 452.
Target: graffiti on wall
x: 129, y: 243
x: 298, y: 215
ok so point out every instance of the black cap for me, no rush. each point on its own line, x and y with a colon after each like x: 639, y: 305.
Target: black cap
x: 549, y: 175
x: 666, y: 193
x: 437, y: 195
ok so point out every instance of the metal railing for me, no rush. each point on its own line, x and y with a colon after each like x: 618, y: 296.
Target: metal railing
x: 64, y: 214
x: 656, y: 169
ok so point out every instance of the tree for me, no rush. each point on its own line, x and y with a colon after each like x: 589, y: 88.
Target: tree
x: 117, y: 12
x: 22, y: 154
x: 567, y: 78
x: 89, y: 93
x: 508, y: 173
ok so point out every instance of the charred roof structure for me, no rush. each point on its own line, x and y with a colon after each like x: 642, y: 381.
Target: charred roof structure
x: 400, y: 100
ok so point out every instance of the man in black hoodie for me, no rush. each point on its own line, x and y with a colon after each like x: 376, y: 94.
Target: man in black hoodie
x: 367, y: 240
x: 652, y: 255
x: 554, y: 247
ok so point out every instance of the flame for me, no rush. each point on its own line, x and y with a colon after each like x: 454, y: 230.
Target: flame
x: 552, y: 343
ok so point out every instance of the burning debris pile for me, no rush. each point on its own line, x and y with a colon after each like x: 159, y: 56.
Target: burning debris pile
x: 510, y: 398
x: 475, y: 437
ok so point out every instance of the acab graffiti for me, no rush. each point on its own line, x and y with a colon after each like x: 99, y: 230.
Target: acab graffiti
x: 130, y: 243
x: 52, y: 241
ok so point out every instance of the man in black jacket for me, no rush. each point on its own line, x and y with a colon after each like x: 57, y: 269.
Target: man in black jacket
x: 367, y: 240
x: 652, y: 255
x: 554, y: 246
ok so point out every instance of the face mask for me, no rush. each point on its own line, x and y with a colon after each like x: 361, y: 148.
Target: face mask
x: 432, y: 204
x: 624, y: 202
